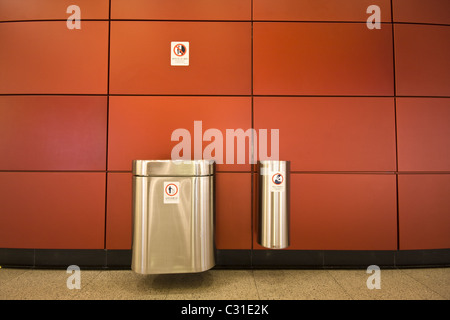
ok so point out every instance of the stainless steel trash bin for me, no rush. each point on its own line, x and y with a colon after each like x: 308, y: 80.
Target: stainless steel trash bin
x: 274, y: 209
x: 173, y: 216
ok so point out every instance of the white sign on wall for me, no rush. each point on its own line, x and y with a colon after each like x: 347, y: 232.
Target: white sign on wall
x: 179, y: 53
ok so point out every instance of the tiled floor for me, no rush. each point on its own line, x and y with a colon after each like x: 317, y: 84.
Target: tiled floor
x: 224, y: 284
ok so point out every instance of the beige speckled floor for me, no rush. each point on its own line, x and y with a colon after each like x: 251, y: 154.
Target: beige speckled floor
x: 216, y: 284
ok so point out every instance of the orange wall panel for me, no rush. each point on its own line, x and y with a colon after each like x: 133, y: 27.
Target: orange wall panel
x: 181, y: 9
x: 233, y: 211
x: 53, y: 133
x: 343, y: 212
x: 219, y: 58
x: 78, y: 105
x: 318, y: 10
x: 423, y: 126
x: 331, y: 134
x: 119, y: 214
x: 419, y: 11
x: 422, y: 64
x: 322, y: 59
x: 51, y: 9
x: 48, y: 58
x: 424, y: 206
x: 142, y: 127
x: 52, y: 210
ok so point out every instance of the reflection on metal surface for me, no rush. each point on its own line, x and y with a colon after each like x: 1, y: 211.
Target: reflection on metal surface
x: 273, y: 218
x: 174, y: 237
x: 173, y: 167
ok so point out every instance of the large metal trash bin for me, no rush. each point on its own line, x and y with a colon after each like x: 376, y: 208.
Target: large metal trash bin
x: 274, y: 207
x: 173, y: 216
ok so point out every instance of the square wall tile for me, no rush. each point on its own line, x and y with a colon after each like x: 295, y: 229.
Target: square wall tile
x: 152, y: 128
x: 52, y: 210
x: 50, y: 9
x: 422, y: 66
x: 423, y: 133
x: 424, y: 207
x: 46, y: 57
x: 181, y: 9
x: 219, y: 58
x: 53, y: 132
x: 343, y: 212
x: 319, y: 10
x: 330, y: 134
x: 418, y: 11
x: 322, y: 59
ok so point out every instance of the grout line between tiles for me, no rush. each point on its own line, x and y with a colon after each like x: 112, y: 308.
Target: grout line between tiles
x: 228, y: 21
x: 330, y: 273
x: 395, y: 124
x: 85, y: 284
x: 222, y: 95
x: 256, y: 285
x: 107, y: 131
x: 25, y: 270
x: 421, y: 283
x: 252, y: 175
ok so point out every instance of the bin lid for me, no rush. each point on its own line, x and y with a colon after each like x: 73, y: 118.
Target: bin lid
x: 268, y: 166
x: 173, y: 168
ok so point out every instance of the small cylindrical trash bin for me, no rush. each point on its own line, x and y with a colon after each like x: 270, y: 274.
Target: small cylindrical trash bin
x: 173, y: 216
x: 274, y: 211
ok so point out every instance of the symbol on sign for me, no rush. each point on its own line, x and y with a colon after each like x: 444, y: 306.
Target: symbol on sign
x: 277, y: 178
x: 171, y: 189
x: 179, y: 50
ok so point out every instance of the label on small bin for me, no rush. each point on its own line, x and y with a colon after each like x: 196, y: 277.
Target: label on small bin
x: 171, y: 192
x: 277, y: 183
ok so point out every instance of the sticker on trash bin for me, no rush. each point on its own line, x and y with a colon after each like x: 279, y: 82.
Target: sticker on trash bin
x: 179, y: 53
x: 277, y: 183
x: 171, y: 192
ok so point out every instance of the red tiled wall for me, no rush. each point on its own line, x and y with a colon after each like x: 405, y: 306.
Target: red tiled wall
x: 53, y: 132
x: 363, y: 115
x: 318, y: 10
x: 321, y: 59
x: 52, y: 210
x: 344, y: 211
x: 422, y: 62
x: 44, y: 57
x: 331, y: 134
x: 424, y: 207
x: 13, y: 10
x: 423, y: 131
x: 418, y: 11
x: 119, y: 217
x: 182, y: 10
x: 220, y: 60
x: 137, y: 125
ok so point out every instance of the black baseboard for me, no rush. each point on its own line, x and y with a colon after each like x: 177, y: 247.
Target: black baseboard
x: 248, y: 259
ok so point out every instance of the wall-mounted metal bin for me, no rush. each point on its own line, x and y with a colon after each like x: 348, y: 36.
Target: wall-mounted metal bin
x: 274, y: 211
x: 173, y: 216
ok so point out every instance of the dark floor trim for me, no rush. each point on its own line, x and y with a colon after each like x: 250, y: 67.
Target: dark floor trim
x: 233, y: 258
x: 64, y: 258
x: 248, y: 259
x: 17, y: 257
